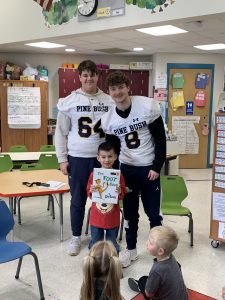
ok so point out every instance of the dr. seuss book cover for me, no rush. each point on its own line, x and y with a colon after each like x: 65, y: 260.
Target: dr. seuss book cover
x: 105, y: 181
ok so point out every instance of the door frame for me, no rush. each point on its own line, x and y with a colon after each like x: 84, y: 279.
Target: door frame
x: 194, y: 66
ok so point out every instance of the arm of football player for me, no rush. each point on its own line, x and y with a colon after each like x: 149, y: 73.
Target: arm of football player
x: 157, y: 130
x: 64, y: 167
x: 63, y: 126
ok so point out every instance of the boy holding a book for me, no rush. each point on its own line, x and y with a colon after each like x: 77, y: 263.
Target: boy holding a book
x: 105, y: 214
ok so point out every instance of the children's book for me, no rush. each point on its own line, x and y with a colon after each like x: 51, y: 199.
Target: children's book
x: 105, y: 181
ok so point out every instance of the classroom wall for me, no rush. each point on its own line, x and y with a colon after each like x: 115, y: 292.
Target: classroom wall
x: 53, y: 61
x: 23, y: 20
x: 160, y: 61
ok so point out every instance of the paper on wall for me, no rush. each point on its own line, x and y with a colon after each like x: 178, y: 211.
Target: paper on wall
x: 218, y: 207
x: 183, y: 127
x: 221, y: 231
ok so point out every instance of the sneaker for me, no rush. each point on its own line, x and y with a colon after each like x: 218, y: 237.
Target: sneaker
x: 133, y: 284
x: 127, y: 256
x: 74, y: 246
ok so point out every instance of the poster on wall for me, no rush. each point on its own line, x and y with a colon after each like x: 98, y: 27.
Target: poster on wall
x: 161, y: 81
x: 24, y: 107
x: 160, y: 94
x: 183, y: 127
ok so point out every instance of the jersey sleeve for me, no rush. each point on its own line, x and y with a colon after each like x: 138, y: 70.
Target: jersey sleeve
x: 157, y: 130
x: 63, y: 126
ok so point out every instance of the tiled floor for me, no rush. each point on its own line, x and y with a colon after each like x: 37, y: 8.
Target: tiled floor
x: 202, y: 266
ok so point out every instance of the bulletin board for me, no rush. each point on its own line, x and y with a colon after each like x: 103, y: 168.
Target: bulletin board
x: 193, y: 127
x: 217, y: 224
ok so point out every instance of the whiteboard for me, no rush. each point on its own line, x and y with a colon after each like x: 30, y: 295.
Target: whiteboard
x: 24, y: 107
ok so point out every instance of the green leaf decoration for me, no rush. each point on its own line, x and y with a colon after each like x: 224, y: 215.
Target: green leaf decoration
x: 151, y: 4
x: 61, y: 12
x: 141, y: 3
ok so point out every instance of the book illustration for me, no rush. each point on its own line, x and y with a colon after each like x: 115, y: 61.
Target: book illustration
x: 100, y: 187
x: 106, y: 182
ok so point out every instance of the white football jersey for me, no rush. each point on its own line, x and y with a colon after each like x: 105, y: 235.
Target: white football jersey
x: 137, y: 145
x: 78, y: 131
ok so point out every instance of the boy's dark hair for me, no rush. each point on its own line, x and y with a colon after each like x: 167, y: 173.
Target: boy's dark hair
x: 117, y: 78
x: 106, y: 146
x: 88, y: 65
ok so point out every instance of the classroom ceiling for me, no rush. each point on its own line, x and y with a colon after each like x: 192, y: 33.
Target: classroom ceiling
x: 201, y: 30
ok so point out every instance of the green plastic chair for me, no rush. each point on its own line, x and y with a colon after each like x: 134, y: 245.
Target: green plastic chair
x: 48, y: 161
x: 6, y: 163
x: 46, y: 148
x: 33, y: 167
x: 174, y: 191
x: 18, y: 148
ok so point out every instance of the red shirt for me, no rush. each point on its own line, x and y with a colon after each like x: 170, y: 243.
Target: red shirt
x: 105, y: 216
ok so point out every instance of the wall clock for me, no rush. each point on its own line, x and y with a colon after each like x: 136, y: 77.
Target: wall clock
x: 87, y: 7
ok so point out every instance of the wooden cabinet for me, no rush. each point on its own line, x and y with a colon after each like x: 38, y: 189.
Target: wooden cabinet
x: 69, y: 81
x: 32, y: 138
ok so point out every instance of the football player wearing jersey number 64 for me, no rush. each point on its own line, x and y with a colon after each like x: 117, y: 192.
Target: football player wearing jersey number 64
x: 137, y: 123
x: 78, y: 135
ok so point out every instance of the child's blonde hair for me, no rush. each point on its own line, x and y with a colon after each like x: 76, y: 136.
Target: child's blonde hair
x: 102, y: 263
x: 165, y: 237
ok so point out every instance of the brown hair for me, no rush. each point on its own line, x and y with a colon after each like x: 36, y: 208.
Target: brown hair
x: 165, y: 237
x: 102, y: 263
x: 117, y: 78
x: 88, y: 65
x: 106, y: 146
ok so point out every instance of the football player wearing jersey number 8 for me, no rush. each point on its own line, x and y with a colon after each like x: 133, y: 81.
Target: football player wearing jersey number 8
x: 78, y: 135
x: 137, y: 123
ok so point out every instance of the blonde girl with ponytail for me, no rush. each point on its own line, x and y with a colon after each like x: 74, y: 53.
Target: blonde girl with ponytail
x: 102, y: 273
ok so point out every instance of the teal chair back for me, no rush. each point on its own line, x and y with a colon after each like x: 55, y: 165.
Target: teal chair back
x: 18, y: 148
x: 48, y: 161
x: 6, y: 163
x: 174, y: 191
x: 46, y: 148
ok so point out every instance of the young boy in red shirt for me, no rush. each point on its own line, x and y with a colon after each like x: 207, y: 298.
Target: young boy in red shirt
x: 105, y: 216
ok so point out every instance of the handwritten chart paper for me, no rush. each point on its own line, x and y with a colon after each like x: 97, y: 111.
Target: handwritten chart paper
x: 24, y: 107
x: 187, y: 136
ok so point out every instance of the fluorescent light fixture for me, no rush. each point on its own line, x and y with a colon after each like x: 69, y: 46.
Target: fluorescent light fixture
x: 138, y: 49
x: 70, y: 50
x: 162, y: 30
x: 45, y: 45
x: 211, y: 47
